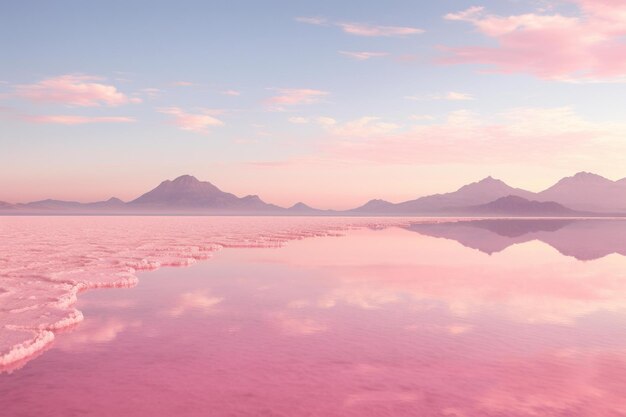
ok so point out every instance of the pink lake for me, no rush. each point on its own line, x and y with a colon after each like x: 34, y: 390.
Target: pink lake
x: 315, y: 317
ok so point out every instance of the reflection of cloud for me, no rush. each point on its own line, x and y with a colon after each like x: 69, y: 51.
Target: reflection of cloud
x: 527, y: 283
x: 197, y: 300
x: 96, y: 330
x: 297, y: 325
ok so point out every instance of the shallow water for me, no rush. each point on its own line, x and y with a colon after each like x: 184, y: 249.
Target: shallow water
x: 465, y: 319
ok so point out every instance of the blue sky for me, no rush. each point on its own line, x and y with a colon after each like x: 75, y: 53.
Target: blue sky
x: 277, y: 98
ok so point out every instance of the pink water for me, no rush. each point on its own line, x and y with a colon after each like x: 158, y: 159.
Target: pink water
x: 383, y: 321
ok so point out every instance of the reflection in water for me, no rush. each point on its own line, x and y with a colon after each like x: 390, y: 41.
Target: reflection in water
x: 584, y: 239
x: 376, y: 323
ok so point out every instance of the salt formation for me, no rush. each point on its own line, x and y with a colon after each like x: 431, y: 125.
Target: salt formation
x: 46, y: 261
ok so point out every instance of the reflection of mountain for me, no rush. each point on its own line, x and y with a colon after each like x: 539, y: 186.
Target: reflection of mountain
x: 582, y: 239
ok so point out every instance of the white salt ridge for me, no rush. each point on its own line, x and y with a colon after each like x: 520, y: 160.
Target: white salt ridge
x: 46, y: 261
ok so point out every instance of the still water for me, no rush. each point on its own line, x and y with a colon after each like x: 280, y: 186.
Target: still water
x: 473, y: 318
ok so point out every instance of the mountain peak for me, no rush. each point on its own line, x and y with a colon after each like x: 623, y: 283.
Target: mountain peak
x: 185, y: 179
x: 490, y: 180
x: 588, y: 176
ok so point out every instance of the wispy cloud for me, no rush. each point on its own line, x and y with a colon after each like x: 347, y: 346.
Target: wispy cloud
x: 523, y: 135
x: 183, y: 84
x: 73, y: 90
x: 233, y: 93
x: 71, y: 120
x: 363, y: 55
x: 360, y: 29
x: 456, y: 96
x: 450, y: 96
x: 313, y: 20
x: 294, y: 96
x: 421, y: 117
x: 193, y: 122
x: 586, y: 47
x: 152, y: 92
x: 363, y: 29
x: 362, y: 127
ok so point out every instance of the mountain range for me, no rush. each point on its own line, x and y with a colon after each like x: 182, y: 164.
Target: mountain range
x: 583, y: 194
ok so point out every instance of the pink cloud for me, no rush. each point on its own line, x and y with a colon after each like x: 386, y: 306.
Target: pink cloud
x: 183, y: 84
x: 312, y: 20
x: 360, y: 29
x: 362, y: 127
x: 585, y: 47
x: 73, y: 90
x: 363, y: 29
x: 77, y: 120
x: 520, y: 135
x: 450, y: 96
x: 295, y: 96
x: 193, y: 122
x: 363, y: 56
x: 233, y: 93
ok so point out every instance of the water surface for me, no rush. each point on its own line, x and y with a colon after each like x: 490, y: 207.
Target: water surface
x: 464, y: 319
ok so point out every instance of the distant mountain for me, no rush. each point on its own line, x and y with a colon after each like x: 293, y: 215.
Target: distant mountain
x: 582, y: 194
x: 517, y: 206
x: 50, y: 205
x: 481, y: 192
x: 302, y: 208
x: 188, y: 193
x: 582, y: 239
x: 586, y: 191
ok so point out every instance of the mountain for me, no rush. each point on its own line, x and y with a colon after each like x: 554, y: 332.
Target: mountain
x: 111, y: 203
x: 583, y: 194
x: 302, y: 208
x: 586, y: 191
x: 517, y: 206
x: 187, y: 193
x: 476, y: 193
x: 51, y: 204
x: 56, y: 206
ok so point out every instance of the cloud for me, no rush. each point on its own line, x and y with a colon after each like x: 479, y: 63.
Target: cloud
x: 193, y: 122
x: 522, y: 135
x: 586, y: 47
x: 360, y: 29
x: 363, y: 29
x: 421, y: 117
x: 451, y: 96
x: 294, y: 96
x: 455, y: 96
x: 362, y: 127
x: 73, y: 90
x: 77, y: 120
x: 298, y: 120
x: 312, y: 20
x: 363, y: 56
x: 152, y: 92
x: 231, y: 93
x: 182, y: 84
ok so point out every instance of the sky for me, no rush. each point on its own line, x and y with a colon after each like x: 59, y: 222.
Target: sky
x: 328, y: 102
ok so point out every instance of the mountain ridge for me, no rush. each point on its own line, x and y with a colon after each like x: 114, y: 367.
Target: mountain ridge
x: 580, y: 194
